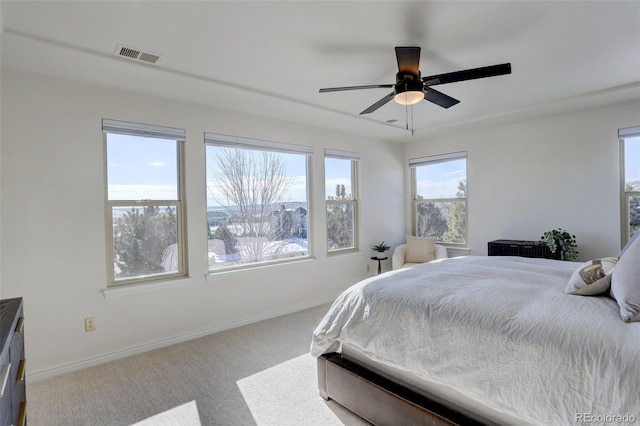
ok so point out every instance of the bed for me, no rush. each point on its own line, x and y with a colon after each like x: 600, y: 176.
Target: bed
x: 479, y: 340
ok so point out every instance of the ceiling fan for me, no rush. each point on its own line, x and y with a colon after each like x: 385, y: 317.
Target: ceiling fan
x: 410, y: 87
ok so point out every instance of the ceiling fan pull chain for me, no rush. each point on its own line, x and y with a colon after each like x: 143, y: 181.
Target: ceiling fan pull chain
x: 406, y: 107
x: 412, y: 127
x: 406, y: 116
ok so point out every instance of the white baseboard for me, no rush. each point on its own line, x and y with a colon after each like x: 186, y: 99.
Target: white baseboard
x: 34, y: 376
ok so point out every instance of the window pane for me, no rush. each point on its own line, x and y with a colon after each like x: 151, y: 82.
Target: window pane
x: 631, y: 186
x: 441, y: 179
x: 633, y: 208
x: 337, y: 173
x: 632, y: 164
x: 441, y: 199
x: 444, y: 220
x: 256, y: 206
x: 141, y: 168
x: 145, y: 240
x: 340, y: 229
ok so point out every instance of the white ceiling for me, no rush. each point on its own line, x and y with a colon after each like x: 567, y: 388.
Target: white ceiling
x: 270, y: 58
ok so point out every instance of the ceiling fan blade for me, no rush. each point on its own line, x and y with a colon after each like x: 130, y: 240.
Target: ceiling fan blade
x: 408, y: 60
x: 439, y: 98
x: 340, y: 89
x: 378, y: 104
x: 470, y: 74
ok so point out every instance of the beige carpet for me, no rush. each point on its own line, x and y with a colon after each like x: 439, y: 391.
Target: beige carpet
x: 260, y: 374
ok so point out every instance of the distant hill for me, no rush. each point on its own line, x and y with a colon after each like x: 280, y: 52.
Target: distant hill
x: 292, y: 205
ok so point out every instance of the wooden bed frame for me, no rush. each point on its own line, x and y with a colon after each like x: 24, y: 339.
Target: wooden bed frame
x: 378, y: 400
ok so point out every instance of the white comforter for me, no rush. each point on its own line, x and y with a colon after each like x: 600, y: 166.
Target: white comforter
x: 500, y: 331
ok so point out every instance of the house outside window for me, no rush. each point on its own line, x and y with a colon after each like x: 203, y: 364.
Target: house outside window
x: 145, y: 202
x: 629, y: 181
x: 257, y: 201
x: 341, y: 195
x: 440, y: 204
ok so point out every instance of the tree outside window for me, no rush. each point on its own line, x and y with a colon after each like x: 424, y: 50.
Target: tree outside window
x: 440, y: 197
x: 257, y: 204
x: 144, y: 202
x: 341, y: 200
x: 630, y: 176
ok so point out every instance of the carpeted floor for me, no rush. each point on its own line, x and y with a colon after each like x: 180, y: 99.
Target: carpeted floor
x: 260, y: 374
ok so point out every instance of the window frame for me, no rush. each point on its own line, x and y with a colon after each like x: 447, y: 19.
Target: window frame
x: 354, y: 158
x: 149, y: 131
x: 625, y: 196
x: 227, y: 141
x: 414, y: 163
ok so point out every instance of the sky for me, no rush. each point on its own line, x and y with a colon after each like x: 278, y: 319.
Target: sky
x: 337, y: 172
x: 136, y: 172
x: 296, y: 169
x: 632, y: 159
x: 440, y: 180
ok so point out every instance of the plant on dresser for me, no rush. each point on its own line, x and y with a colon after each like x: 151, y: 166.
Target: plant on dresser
x: 561, y: 239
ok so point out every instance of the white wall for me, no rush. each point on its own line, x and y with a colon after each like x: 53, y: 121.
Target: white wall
x: 1, y: 35
x: 53, y: 225
x: 524, y: 178
x: 533, y: 176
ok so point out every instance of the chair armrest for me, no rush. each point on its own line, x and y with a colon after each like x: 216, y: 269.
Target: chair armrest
x: 441, y: 252
x: 397, y: 259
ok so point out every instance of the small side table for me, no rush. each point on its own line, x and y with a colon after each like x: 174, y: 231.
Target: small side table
x: 379, y: 259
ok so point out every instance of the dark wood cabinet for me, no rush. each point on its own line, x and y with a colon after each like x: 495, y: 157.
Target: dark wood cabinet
x: 521, y: 248
x: 13, y: 402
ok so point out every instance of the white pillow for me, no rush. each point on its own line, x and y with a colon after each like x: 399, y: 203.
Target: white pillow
x: 625, y: 282
x: 592, y: 277
x: 420, y: 249
x: 631, y: 240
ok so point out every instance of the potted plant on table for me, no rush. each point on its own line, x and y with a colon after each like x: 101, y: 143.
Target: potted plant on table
x: 559, y: 239
x: 380, y: 248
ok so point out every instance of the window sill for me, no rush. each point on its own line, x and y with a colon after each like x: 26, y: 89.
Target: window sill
x: 259, y: 268
x: 458, y: 251
x: 343, y: 252
x: 124, y: 290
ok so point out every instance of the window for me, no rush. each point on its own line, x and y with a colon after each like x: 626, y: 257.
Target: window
x: 630, y: 181
x: 340, y: 171
x: 257, y: 201
x: 145, y: 204
x: 440, y: 197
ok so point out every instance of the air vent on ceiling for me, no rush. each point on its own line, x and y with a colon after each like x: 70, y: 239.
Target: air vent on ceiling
x: 137, y: 54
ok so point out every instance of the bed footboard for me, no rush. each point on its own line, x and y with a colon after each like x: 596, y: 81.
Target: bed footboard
x: 379, y: 400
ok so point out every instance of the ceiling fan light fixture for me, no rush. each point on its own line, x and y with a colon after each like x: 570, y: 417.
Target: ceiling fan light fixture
x: 409, y: 97
x: 409, y: 89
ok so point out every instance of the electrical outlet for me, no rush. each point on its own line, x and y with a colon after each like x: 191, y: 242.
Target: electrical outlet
x: 90, y: 324
x: 368, y: 268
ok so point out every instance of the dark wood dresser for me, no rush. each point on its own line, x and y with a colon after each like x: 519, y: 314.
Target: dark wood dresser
x: 13, y: 401
x: 521, y: 248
